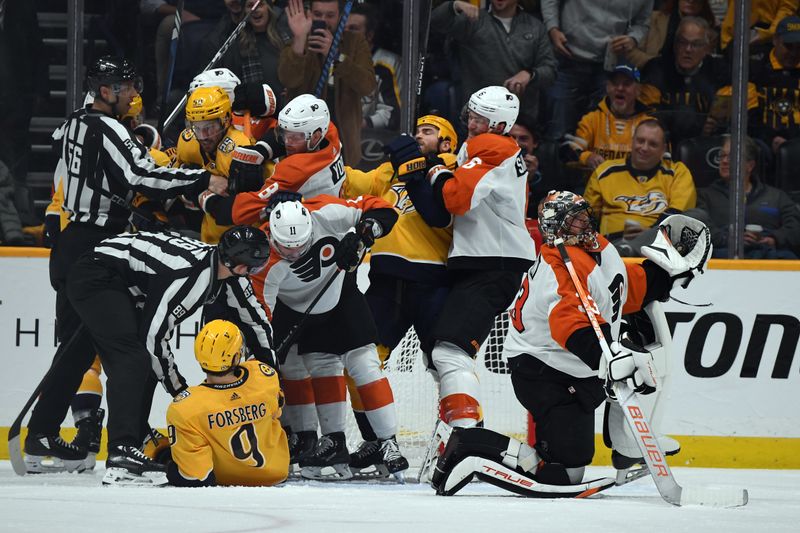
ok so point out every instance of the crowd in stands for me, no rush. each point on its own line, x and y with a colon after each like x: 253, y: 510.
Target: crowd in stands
x: 627, y: 100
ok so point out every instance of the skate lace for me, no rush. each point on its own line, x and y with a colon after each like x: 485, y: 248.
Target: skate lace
x: 366, y: 449
x: 324, y: 445
x: 390, y: 450
x: 64, y: 444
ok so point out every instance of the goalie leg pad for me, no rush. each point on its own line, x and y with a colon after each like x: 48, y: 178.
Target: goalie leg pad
x: 439, y: 440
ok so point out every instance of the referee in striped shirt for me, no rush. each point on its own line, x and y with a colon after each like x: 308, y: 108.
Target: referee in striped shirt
x: 105, y: 167
x: 130, y: 293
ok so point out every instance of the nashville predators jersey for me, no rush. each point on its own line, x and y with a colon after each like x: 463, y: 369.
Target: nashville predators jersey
x: 232, y: 430
x: 310, y: 173
x: 413, y: 250
x: 547, y: 310
x: 601, y: 132
x: 189, y: 153
x: 617, y: 192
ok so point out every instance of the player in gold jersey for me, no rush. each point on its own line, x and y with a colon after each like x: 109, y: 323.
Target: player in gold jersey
x: 226, y: 431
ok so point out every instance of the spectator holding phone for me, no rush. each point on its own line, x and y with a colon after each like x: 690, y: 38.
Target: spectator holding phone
x: 352, y: 75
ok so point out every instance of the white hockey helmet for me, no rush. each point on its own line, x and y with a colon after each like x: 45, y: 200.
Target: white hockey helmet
x: 290, y: 230
x: 305, y: 114
x: 216, y: 77
x: 498, y: 105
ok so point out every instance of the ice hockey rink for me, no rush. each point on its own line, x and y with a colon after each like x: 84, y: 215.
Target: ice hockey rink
x: 77, y: 502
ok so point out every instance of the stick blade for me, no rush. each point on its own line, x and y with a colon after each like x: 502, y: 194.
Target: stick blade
x: 15, y: 455
x: 714, y: 496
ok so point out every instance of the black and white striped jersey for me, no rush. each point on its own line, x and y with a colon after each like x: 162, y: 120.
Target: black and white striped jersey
x: 170, y: 277
x: 105, y: 166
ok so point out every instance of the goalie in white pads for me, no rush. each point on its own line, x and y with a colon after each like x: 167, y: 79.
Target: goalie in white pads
x: 556, y: 361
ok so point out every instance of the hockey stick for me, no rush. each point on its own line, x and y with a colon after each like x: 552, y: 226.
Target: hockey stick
x: 288, y: 341
x: 639, y: 425
x: 14, y: 448
x: 333, y: 51
x: 221, y: 52
x: 173, y: 57
x: 424, y: 27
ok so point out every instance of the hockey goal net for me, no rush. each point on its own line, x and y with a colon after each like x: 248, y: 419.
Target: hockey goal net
x: 417, y: 399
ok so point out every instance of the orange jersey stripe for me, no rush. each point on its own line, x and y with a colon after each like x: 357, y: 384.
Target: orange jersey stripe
x: 376, y: 394
x: 456, y: 406
x: 329, y: 389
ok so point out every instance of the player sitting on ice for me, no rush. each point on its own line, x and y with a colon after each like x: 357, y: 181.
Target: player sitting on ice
x: 312, y: 242
x: 556, y: 360
x: 226, y: 431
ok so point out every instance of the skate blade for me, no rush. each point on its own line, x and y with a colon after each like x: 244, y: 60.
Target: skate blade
x: 122, y: 478
x: 90, y: 462
x: 370, y: 472
x: 631, y: 474
x: 339, y: 472
x: 46, y: 464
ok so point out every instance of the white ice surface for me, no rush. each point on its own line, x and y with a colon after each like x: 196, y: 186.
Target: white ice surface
x: 77, y: 502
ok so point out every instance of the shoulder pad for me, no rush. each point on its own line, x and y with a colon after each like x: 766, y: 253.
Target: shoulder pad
x: 182, y: 395
x: 266, y: 369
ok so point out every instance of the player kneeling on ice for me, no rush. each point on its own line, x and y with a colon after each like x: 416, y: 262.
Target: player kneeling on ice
x: 312, y: 242
x: 226, y: 431
x: 557, y: 367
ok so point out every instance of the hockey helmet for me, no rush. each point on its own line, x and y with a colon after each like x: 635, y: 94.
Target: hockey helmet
x: 498, y: 105
x: 112, y: 71
x: 208, y: 112
x: 566, y: 215
x: 305, y: 114
x: 446, y: 130
x: 219, y: 346
x: 216, y: 77
x: 291, y: 230
x: 244, y: 245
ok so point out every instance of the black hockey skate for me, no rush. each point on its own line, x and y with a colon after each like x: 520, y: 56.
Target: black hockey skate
x: 301, y: 444
x: 127, y: 465
x: 329, y: 460
x: 46, y: 454
x: 367, y: 461
x: 90, y: 431
x: 393, y: 460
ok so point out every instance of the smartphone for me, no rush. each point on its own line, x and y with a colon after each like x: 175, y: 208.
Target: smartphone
x: 317, y: 25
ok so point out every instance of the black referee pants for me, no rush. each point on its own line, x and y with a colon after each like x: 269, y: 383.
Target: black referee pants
x: 51, y: 409
x: 101, y: 299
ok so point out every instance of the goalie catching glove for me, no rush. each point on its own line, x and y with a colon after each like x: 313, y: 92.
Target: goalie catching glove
x: 351, y: 249
x: 682, y: 248
x: 633, y: 364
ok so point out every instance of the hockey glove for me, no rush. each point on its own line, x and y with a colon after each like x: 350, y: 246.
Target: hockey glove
x: 406, y: 158
x: 257, y: 98
x: 247, y: 169
x: 437, y: 168
x: 352, y: 247
x: 276, y: 198
x: 682, y: 248
x: 633, y: 364
x: 272, y: 146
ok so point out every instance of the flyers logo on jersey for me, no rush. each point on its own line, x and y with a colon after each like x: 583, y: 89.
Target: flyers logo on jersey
x: 651, y: 203
x: 309, y: 267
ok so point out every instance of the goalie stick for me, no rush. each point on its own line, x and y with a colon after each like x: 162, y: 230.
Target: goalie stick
x: 14, y: 448
x: 222, y: 49
x: 640, y: 426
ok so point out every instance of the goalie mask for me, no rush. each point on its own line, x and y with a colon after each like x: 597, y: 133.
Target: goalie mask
x: 219, y: 346
x: 566, y: 215
x: 290, y: 230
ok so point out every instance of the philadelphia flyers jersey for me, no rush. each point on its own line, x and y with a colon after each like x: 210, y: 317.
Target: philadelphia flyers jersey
x: 298, y: 282
x: 617, y: 192
x: 547, y: 309
x: 232, y: 430
x: 488, y: 196
x: 309, y: 173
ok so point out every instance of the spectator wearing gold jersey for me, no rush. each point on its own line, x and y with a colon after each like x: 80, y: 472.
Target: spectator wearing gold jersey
x: 607, y: 131
x: 630, y: 196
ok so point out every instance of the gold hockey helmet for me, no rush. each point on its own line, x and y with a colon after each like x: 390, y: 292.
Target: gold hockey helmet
x: 446, y: 130
x: 207, y: 103
x: 219, y: 346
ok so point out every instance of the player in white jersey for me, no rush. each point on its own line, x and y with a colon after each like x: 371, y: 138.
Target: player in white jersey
x: 491, y: 247
x: 555, y: 357
x: 311, y: 243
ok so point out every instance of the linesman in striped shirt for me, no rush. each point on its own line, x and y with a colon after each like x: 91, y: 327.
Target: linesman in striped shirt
x: 130, y: 293
x: 105, y: 166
